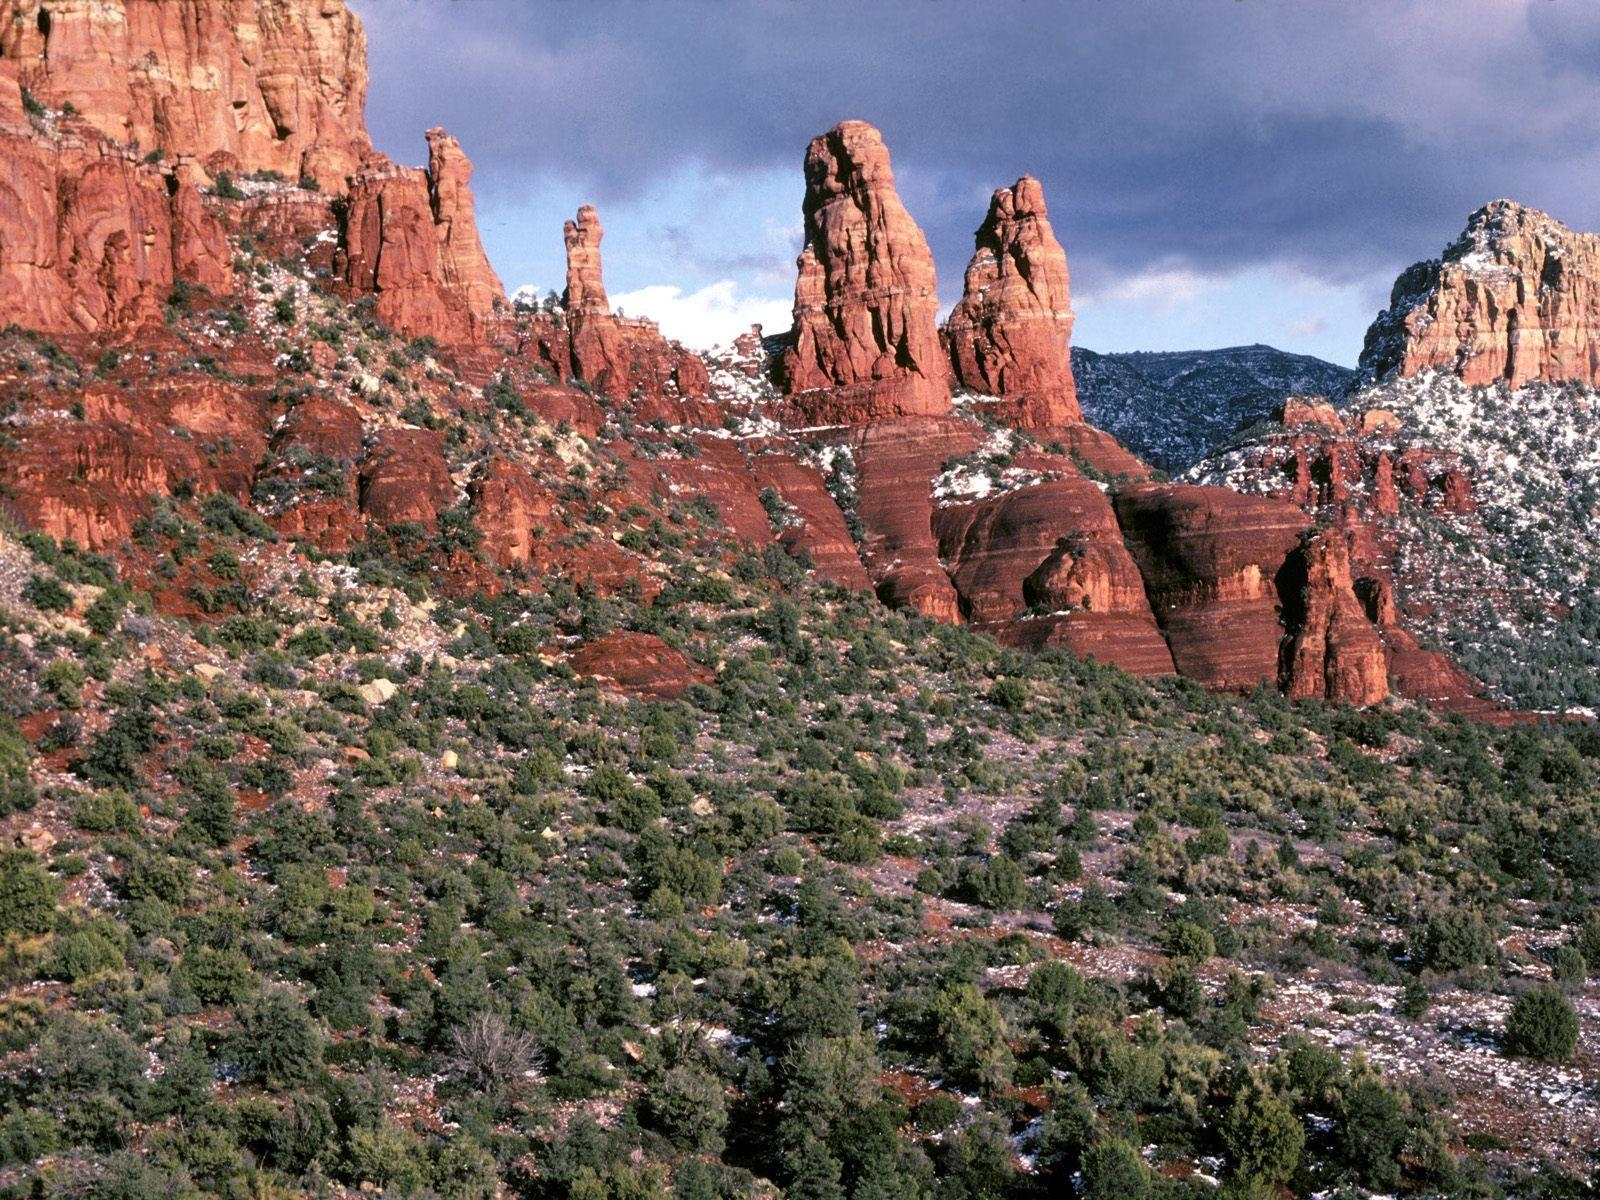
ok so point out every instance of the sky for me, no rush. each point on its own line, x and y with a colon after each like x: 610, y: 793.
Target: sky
x: 1221, y: 172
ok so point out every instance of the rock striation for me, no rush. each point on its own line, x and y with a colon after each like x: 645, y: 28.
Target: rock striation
x: 621, y: 357
x: 239, y: 85
x: 1011, y: 334
x: 866, y: 337
x: 408, y: 237
x: 1046, y: 566
x: 1515, y: 298
x: 1210, y: 560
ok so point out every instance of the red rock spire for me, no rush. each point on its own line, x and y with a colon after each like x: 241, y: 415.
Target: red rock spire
x: 866, y: 338
x: 1011, y: 335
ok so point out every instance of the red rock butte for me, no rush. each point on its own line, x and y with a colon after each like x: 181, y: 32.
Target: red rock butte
x: 1516, y: 298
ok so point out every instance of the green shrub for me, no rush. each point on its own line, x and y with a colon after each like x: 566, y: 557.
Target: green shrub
x: 1261, y: 1134
x: 81, y: 954
x: 278, y: 1041
x: 28, y: 894
x: 1542, y: 1025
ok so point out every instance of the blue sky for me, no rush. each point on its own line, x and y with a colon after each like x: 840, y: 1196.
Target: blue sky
x: 1220, y: 171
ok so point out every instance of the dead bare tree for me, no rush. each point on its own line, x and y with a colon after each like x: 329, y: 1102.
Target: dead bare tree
x: 490, y: 1056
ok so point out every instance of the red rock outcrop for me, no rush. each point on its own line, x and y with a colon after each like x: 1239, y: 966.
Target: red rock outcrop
x: 1210, y: 560
x: 252, y: 85
x: 308, y: 488
x: 408, y: 238
x: 92, y: 479
x: 1515, y: 298
x: 1333, y: 650
x: 92, y: 238
x: 896, y: 463
x: 639, y: 664
x: 866, y: 337
x: 1046, y: 565
x: 621, y: 357
x: 405, y: 478
x: 813, y: 523
x: 1011, y: 335
x: 462, y: 261
x: 512, y: 511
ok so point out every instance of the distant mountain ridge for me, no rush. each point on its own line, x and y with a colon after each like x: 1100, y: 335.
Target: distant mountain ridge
x: 1172, y: 408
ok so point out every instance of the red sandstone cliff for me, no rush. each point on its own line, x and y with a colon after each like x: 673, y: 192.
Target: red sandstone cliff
x: 409, y: 238
x: 251, y: 85
x: 1011, y: 335
x: 866, y: 338
x: 1514, y: 299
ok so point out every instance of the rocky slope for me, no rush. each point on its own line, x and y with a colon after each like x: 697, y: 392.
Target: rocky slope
x: 1174, y: 407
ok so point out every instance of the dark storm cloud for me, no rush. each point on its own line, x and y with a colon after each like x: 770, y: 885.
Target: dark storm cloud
x: 1339, y: 138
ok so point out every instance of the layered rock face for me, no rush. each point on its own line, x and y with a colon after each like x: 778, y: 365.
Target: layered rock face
x: 1210, y: 559
x: 620, y: 357
x: 409, y: 238
x: 1333, y: 650
x: 251, y: 85
x: 92, y: 239
x: 1515, y: 298
x: 1047, y: 566
x: 1011, y: 335
x: 1350, y: 472
x: 866, y: 338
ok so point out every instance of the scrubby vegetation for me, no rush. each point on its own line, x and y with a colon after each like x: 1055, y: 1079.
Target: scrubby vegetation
x: 886, y: 910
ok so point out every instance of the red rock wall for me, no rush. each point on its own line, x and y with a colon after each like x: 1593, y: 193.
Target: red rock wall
x: 247, y: 85
x: 92, y: 239
x: 1333, y: 650
x: 409, y: 238
x: 1210, y: 560
x: 1046, y: 565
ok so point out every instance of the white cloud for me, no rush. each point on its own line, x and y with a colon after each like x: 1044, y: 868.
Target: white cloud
x: 1157, y: 291
x: 714, y: 315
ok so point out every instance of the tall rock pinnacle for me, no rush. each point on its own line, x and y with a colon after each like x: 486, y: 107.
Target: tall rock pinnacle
x: 1011, y: 335
x: 866, y: 302
x: 622, y: 357
x: 586, y: 288
x: 1515, y: 298
x: 410, y: 239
